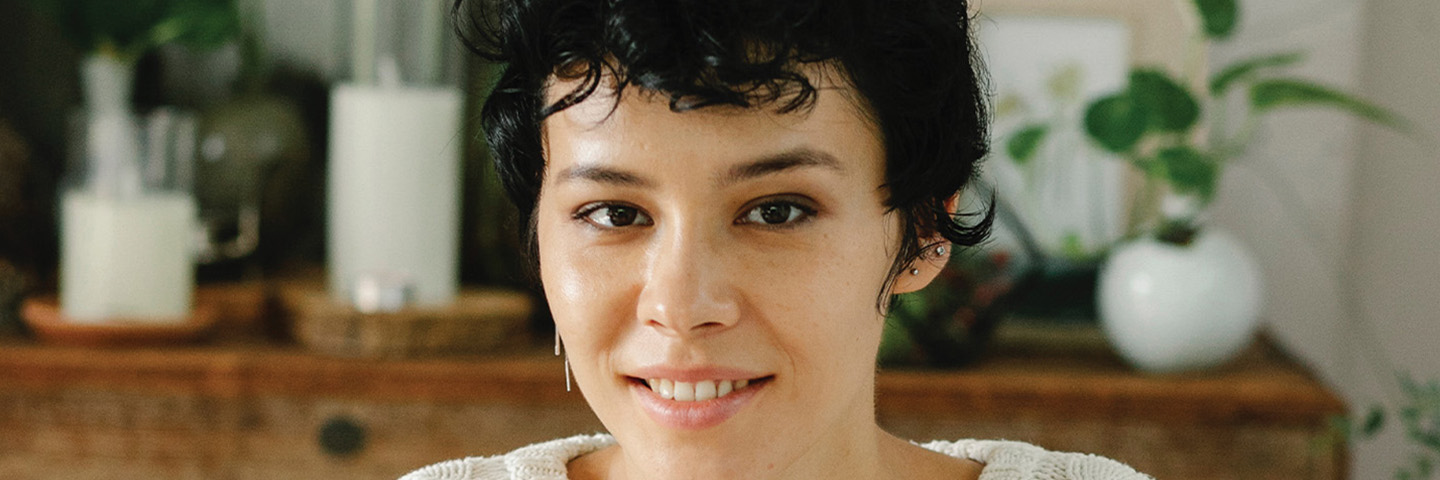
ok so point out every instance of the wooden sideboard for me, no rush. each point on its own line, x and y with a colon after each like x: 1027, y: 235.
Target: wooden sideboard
x: 250, y: 409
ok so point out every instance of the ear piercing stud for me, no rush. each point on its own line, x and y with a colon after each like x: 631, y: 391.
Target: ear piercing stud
x: 915, y: 271
x: 939, y: 250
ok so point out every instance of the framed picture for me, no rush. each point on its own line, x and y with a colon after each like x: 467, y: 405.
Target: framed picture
x: 1047, y: 59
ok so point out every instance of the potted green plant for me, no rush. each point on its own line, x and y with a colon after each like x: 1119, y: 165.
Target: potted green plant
x: 1176, y: 294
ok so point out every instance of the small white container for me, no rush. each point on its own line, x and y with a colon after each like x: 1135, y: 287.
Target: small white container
x: 128, y: 215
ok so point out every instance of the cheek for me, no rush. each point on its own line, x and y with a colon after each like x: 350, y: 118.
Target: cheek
x: 586, y: 291
x: 821, y: 298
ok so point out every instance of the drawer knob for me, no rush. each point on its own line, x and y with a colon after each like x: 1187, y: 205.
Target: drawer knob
x: 342, y: 436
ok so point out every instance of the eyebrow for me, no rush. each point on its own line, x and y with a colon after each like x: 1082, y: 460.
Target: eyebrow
x: 781, y: 162
x: 768, y: 165
x: 603, y: 174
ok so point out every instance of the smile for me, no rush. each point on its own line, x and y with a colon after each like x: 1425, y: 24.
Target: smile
x: 695, y: 404
x: 694, y: 392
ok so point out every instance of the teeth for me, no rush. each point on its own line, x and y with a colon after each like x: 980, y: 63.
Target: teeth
x: 684, y: 392
x: 694, y: 392
x: 704, y: 390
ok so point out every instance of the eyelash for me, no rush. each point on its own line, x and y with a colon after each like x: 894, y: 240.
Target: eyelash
x: 590, y: 209
x: 806, y: 213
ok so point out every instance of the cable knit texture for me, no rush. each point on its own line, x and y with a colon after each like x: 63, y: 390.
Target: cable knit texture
x: 1003, y: 461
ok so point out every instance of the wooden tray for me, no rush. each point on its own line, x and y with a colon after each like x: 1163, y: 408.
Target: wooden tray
x: 45, y: 318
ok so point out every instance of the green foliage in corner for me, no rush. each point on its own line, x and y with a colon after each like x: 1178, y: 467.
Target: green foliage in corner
x: 127, y: 29
x: 1418, y: 415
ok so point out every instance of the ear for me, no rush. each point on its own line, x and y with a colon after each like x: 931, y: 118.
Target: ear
x: 935, y: 253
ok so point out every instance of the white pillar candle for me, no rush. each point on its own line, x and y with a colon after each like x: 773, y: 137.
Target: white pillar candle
x: 127, y: 257
x: 394, y: 188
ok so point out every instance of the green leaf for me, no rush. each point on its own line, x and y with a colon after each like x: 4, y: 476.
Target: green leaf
x: 1115, y: 122
x: 1220, y: 17
x: 1374, y: 421
x: 133, y: 26
x: 1189, y: 171
x: 1267, y: 95
x: 1221, y: 82
x: 205, y: 24
x: 1169, y: 105
x: 1151, y: 167
x: 1024, y: 143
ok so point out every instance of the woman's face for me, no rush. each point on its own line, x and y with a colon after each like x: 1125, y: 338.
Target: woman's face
x: 704, y: 250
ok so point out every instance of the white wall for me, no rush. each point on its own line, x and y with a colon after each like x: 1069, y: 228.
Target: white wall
x: 1290, y: 199
x: 1395, y: 262
x: 1348, y: 225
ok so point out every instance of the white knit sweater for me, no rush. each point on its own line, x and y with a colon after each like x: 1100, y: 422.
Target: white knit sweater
x: 1003, y: 461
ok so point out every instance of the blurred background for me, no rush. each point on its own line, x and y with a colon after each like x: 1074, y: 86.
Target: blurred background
x: 1280, y: 175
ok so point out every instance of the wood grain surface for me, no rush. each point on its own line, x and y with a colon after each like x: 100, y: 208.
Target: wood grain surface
x: 247, y: 406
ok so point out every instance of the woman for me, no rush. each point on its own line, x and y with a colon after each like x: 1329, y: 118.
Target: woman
x: 722, y: 197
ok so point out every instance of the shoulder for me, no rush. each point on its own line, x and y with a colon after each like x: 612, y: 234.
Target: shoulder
x: 1022, y: 461
x: 541, y: 461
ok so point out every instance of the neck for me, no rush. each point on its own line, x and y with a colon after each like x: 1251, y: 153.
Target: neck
x: 863, y: 459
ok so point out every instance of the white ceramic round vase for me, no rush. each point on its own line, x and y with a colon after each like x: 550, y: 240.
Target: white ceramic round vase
x: 1172, y: 308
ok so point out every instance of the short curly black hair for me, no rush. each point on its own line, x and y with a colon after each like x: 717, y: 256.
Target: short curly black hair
x: 913, y: 62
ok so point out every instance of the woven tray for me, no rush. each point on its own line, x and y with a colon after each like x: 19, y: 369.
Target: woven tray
x: 479, y: 321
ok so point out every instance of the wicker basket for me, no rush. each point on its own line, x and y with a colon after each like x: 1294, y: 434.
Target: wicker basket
x: 480, y: 320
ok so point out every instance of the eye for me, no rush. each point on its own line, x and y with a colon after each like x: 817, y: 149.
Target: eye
x: 610, y: 215
x: 777, y: 213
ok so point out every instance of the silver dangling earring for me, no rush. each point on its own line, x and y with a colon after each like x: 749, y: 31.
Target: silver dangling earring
x: 567, y: 360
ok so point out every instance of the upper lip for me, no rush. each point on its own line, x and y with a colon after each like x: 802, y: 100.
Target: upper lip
x: 694, y: 374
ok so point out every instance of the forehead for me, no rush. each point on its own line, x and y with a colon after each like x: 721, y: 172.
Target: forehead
x: 641, y: 131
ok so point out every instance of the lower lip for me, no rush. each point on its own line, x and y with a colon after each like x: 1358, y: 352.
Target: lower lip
x: 694, y: 415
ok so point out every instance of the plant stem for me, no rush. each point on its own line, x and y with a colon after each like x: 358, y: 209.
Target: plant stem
x: 1141, y: 209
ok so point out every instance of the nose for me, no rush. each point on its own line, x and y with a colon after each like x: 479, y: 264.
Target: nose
x: 687, y: 291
